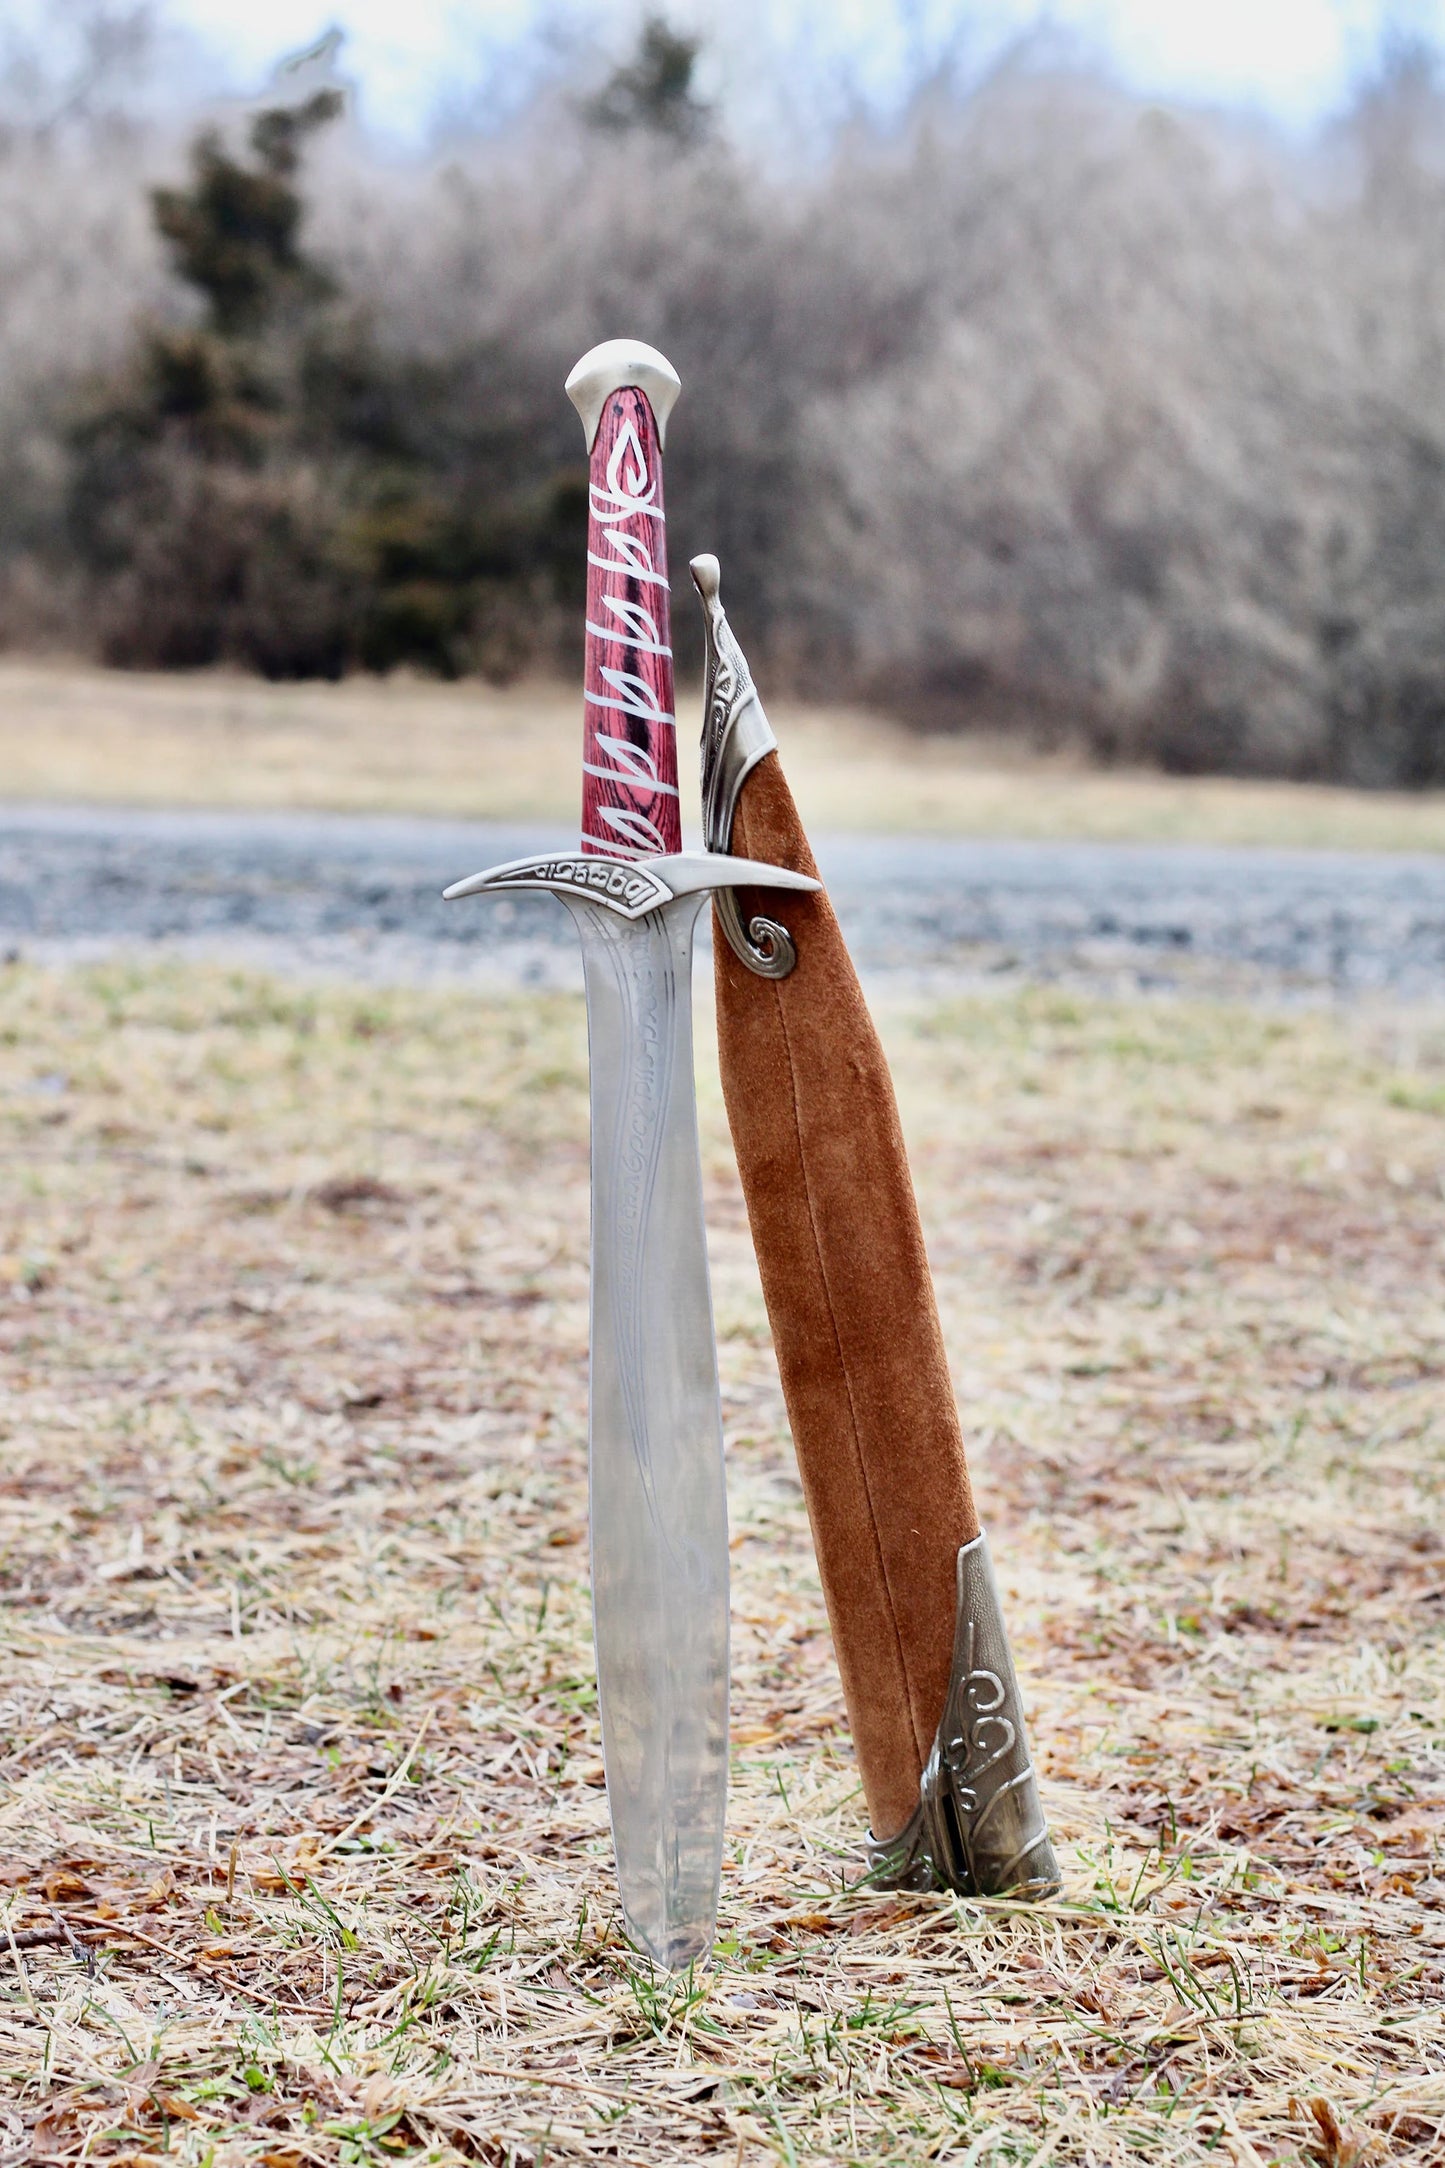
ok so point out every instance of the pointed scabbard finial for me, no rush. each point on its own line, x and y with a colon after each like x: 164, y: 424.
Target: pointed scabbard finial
x: 736, y: 735
x: 611, y: 367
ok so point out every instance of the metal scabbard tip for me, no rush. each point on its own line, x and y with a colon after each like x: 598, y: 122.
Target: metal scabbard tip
x: 979, y: 1825
x: 608, y: 368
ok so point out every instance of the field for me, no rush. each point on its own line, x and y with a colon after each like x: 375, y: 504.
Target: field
x: 304, y: 1848
x: 403, y: 746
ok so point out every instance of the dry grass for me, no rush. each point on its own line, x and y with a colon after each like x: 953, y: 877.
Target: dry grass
x: 305, y: 1855
x: 406, y: 747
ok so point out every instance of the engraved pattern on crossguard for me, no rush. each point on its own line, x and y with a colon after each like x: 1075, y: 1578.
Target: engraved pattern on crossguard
x: 736, y: 735
x: 979, y: 1825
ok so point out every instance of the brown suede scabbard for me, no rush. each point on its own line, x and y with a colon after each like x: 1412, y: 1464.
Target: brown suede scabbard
x: 850, y: 1299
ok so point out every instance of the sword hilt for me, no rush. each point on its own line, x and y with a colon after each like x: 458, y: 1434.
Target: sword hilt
x: 624, y: 392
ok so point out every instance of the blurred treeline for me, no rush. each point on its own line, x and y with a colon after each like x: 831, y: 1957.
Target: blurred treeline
x: 1043, y: 409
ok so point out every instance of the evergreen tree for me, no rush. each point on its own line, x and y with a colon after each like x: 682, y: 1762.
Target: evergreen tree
x: 234, y: 234
x: 269, y: 486
x: 654, y: 90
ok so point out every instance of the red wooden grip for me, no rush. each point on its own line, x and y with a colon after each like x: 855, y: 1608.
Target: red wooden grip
x: 630, y: 804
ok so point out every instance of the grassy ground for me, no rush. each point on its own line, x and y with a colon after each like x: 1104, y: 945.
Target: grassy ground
x: 404, y: 747
x: 303, y: 1850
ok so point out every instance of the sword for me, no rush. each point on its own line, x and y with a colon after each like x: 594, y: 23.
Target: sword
x: 655, y: 1459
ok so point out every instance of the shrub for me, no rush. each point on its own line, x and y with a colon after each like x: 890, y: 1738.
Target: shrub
x: 266, y: 485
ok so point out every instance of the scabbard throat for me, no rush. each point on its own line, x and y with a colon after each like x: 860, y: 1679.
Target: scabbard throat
x: 736, y: 735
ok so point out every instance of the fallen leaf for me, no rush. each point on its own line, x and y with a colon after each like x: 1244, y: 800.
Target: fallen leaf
x: 159, y: 1893
x: 63, y: 1886
x: 180, y: 2111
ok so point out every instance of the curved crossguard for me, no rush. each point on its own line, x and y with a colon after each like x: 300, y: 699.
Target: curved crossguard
x: 629, y: 887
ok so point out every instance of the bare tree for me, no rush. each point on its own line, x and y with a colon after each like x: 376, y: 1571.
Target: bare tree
x: 82, y: 67
x: 1045, y: 408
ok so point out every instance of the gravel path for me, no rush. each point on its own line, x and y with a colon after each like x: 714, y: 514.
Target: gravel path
x: 364, y: 895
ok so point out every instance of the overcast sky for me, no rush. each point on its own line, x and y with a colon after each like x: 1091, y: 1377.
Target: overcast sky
x: 1292, y: 57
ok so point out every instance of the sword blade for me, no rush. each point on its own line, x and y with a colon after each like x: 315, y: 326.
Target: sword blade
x: 658, y: 1501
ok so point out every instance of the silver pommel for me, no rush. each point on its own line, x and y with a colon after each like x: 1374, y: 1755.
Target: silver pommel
x: 979, y: 1825
x: 613, y: 365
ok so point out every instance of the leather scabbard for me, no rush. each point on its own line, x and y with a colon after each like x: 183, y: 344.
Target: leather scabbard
x: 933, y: 1698
x: 850, y: 1300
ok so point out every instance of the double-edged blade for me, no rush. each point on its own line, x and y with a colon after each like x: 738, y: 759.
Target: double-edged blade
x: 658, y: 1503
